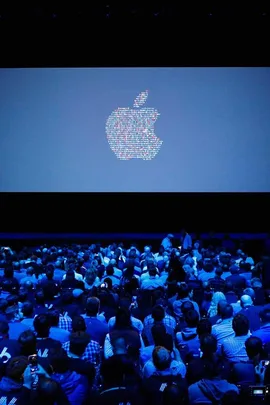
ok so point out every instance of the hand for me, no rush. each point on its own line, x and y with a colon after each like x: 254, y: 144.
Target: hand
x: 28, y: 376
x: 260, y: 372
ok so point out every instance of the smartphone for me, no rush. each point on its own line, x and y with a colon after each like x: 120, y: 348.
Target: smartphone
x: 33, y: 363
x: 265, y: 363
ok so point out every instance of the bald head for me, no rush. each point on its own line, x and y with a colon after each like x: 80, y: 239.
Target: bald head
x: 246, y: 301
x: 113, y: 262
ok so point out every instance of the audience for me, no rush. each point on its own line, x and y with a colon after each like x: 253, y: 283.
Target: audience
x: 87, y: 324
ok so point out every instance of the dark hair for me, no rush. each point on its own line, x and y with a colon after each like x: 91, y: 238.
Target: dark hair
x: 183, y: 291
x: 158, y: 313
x: 231, y: 398
x: 54, y: 316
x: 161, y: 337
x: 226, y: 311
x: 78, y: 342
x: 204, y: 327
x: 3, y: 304
x: 161, y: 358
x: 240, y: 325
x: 78, y: 324
x: 4, y: 328
x: 192, y: 318
x: 8, y: 271
x: 122, y: 318
x: 221, y: 304
x: 265, y: 315
x: 70, y: 275
x: 109, y: 270
x: 27, y: 340
x: 48, y: 391
x: 15, y: 367
x: 23, y: 295
x: 92, y: 306
x: 186, y: 306
x: 219, y: 271
x: 208, y: 344
x: 42, y: 325
x: 27, y: 308
x: 58, y: 360
x: 173, y: 394
x: 254, y: 346
x: 39, y: 296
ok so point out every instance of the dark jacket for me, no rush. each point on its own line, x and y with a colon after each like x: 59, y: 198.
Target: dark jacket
x: 13, y: 392
x: 74, y: 386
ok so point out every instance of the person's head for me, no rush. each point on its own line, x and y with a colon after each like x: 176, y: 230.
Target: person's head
x: 161, y: 250
x: 23, y: 294
x: 28, y: 309
x: 151, y: 269
x: 234, y: 269
x: 219, y: 271
x: 90, y: 275
x: 158, y: 313
x: 254, y: 348
x: 59, y: 360
x: 54, y: 316
x: 70, y: 275
x: 226, y: 311
x: 27, y: 341
x: 186, y: 307
x: 161, y: 358
x: 208, y: 345
x: 265, y: 316
x: 47, y: 391
x: 183, y: 291
x: 42, y: 325
x: 119, y: 345
x: 192, y: 318
x: 173, y: 394
x: 4, y: 330
x: 266, y: 297
x: 49, y: 272
x: 249, y: 291
x: 229, y: 286
x: 78, y: 343
x: 231, y: 398
x: 246, y: 301
x: 15, y: 368
x: 8, y: 271
x: 3, y: 305
x: 40, y: 298
x: 222, y: 304
x: 109, y: 270
x: 204, y: 327
x: 161, y: 337
x: 240, y: 325
x: 256, y: 283
x: 208, y: 265
x: 92, y: 306
x: 122, y: 318
x: 78, y: 324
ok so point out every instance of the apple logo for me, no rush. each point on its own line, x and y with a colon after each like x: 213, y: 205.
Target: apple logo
x: 130, y: 132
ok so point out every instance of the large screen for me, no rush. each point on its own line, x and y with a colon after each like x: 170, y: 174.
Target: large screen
x: 135, y: 129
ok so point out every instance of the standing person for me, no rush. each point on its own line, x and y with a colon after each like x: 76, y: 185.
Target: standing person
x: 185, y: 240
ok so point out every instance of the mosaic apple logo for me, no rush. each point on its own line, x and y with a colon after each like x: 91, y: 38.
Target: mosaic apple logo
x: 130, y: 131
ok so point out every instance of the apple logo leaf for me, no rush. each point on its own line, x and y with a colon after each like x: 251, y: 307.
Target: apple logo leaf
x: 140, y: 99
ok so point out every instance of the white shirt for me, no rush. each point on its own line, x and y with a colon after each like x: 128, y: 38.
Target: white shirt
x: 78, y: 276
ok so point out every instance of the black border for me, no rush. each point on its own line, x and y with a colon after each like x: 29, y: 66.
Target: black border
x: 188, y: 39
